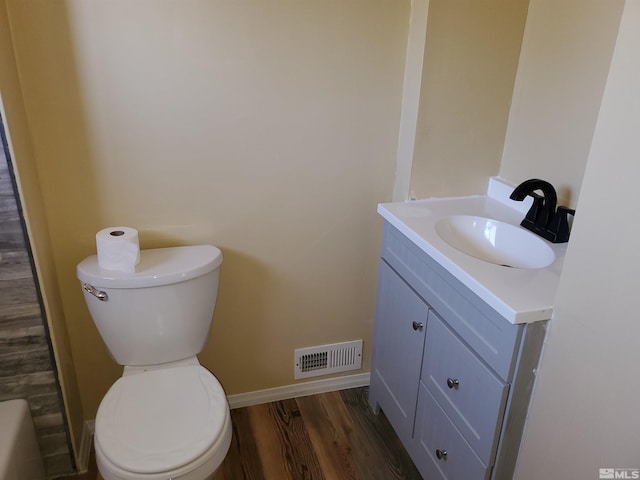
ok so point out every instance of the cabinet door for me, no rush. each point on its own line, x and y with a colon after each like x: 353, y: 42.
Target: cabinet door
x: 401, y: 323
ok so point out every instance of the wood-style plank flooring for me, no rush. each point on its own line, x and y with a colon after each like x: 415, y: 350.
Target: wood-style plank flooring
x: 332, y: 436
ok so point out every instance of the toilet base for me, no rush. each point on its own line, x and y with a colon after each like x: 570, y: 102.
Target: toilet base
x: 202, y: 468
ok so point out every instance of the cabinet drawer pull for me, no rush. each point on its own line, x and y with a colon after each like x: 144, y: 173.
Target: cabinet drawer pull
x: 417, y: 326
x: 452, y: 382
x: 441, y: 454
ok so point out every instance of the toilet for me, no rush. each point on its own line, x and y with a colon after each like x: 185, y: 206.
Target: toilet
x: 167, y: 417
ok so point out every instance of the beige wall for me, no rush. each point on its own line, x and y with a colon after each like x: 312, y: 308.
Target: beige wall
x: 563, y: 68
x: 470, y: 61
x: 269, y: 129
x: 265, y: 128
x: 584, y: 414
x: 20, y: 144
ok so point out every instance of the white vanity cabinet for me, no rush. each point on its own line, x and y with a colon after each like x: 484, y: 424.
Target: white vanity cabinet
x: 451, y: 374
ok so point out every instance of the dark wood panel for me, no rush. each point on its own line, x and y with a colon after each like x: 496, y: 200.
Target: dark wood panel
x: 242, y: 460
x: 283, y: 441
x: 328, y: 425
x: 384, y: 456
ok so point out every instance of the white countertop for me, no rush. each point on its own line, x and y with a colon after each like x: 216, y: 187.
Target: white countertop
x: 519, y: 295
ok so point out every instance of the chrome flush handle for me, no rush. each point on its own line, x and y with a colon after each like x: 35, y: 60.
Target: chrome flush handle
x: 99, y: 294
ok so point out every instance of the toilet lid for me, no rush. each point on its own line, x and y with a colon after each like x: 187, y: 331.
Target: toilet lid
x: 160, y: 420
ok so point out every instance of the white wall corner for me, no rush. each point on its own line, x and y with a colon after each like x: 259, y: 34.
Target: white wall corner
x: 410, y: 98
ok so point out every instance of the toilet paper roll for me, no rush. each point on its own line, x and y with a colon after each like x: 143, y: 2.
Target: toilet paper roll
x: 118, y: 249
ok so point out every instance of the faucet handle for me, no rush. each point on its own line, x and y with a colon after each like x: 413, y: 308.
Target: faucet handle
x: 536, y: 207
x: 565, y: 210
x: 559, y: 225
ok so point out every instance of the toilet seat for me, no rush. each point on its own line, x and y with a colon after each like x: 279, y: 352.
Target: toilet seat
x: 160, y: 420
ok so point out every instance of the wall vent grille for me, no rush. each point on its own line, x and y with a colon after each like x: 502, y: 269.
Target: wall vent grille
x: 326, y: 359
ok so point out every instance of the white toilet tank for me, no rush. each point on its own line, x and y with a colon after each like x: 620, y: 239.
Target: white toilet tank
x: 162, y: 312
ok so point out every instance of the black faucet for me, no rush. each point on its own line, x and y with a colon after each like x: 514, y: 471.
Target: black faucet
x: 542, y: 218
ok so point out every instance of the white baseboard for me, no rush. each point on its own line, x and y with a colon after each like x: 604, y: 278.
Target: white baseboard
x: 84, y: 452
x: 298, y: 390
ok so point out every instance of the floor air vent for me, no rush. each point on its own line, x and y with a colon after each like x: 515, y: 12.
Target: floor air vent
x: 326, y: 359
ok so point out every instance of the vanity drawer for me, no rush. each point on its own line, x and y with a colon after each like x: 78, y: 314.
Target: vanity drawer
x: 472, y: 396
x: 487, y: 332
x: 439, y: 450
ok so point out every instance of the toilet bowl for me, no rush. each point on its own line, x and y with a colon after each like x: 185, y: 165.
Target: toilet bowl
x: 167, y: 417
x: 164, y: 423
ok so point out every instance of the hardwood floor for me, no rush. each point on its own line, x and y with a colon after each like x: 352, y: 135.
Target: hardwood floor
x: 332, y: 436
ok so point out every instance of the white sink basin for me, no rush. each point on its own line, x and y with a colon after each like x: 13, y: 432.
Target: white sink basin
x: 495, y: 242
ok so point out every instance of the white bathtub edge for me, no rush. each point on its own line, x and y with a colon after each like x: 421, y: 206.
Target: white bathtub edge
x: 20, y: 456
